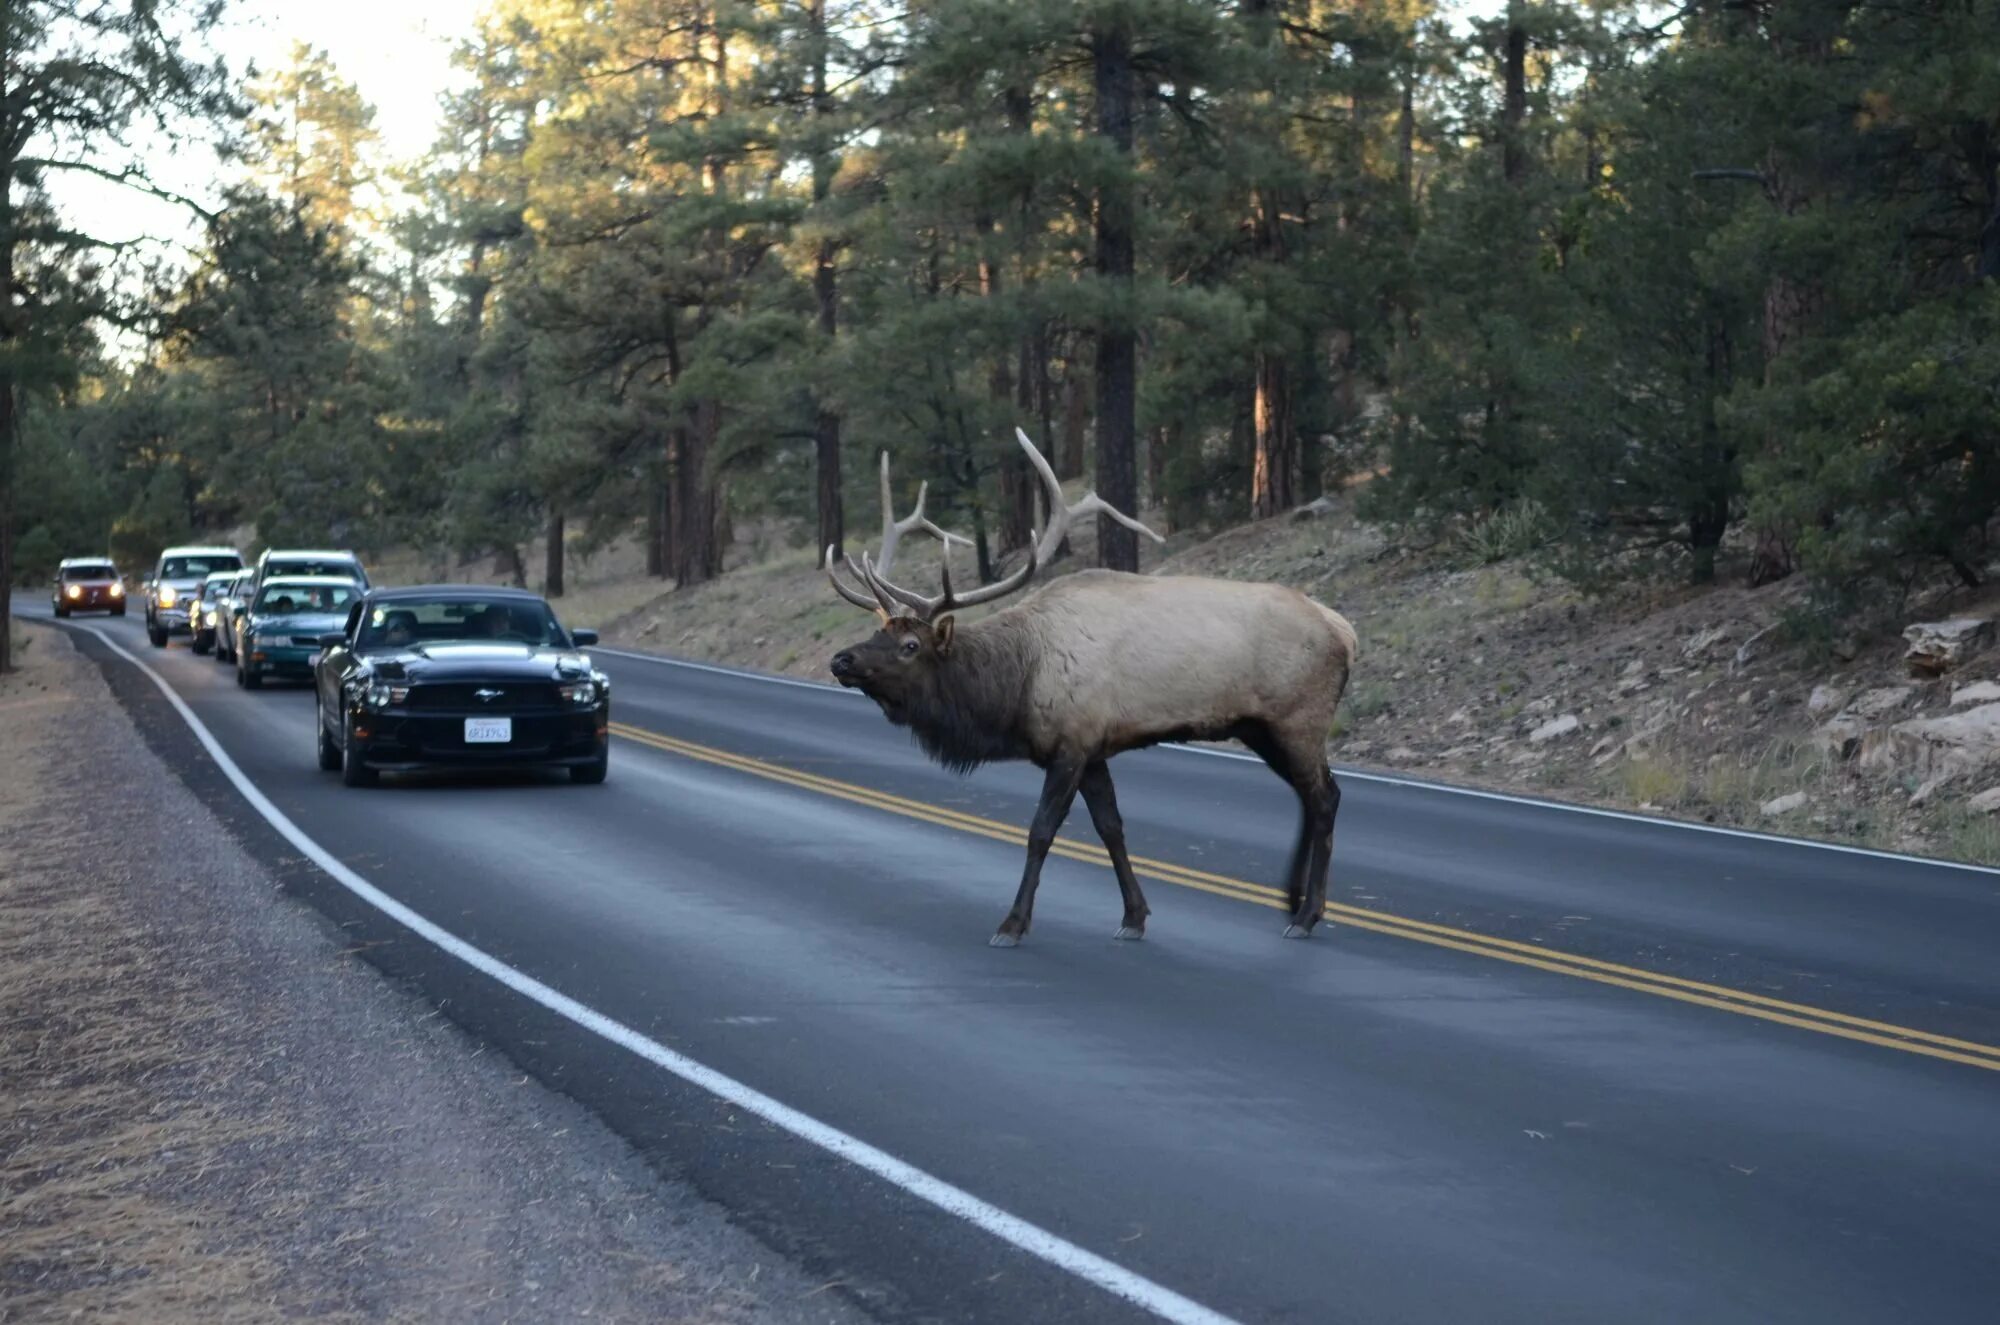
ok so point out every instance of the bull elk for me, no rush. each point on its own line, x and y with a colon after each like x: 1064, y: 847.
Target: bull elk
x: 1101, y: 662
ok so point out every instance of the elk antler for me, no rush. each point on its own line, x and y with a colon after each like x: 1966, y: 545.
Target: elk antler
x: 884, y: 604
x: 1061, y: 515
x: 894, y: 529
x: 930, y: 608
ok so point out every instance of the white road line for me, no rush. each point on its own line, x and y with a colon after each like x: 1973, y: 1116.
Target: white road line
x: 1036, y: 1241
x: 1417, y: 784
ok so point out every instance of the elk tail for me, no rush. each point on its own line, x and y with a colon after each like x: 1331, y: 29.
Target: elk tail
x: 1343, y: 630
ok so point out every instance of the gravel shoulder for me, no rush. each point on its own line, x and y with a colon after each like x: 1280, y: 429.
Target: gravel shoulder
x: 214, y: 1111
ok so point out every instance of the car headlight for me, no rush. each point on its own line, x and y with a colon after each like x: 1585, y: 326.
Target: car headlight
x: 583, y: 694
x: 382, y: 695
x: 166, y: 595
x: 75, y: 591
x: 117, y: 591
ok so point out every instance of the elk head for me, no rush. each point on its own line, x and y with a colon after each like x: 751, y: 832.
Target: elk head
x: 914, y: 642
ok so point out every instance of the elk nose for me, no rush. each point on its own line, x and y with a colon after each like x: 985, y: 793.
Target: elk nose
x: 843, y: 664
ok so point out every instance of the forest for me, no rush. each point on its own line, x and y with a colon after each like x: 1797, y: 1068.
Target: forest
x: 1646, y: 291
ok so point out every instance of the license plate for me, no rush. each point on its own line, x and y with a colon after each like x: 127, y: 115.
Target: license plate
x: 489, y: 731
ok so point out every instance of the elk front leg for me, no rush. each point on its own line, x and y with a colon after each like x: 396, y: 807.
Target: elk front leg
x: 1322, y: 800
x: 1103, y: 805
x: 1058, y: 794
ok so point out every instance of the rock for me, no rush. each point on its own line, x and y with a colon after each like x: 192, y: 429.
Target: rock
x: 1403, y: 754
x: 1608, y: 742
x: 1847, y: 648
x: 1879, y: 702
x: 1314, y: 509
x: 1824, y: 700
x: 1840, y: 738
x: 1938, y: 646
x: 1636, y: 667
x: 1986, y: 802
x: 1554, y: 728
x: 1922, y: 795
x: 1747, y: 652
x: 1957, y: 744
x: 1783, y: 804
x: 1698, y: 645
x: 1979, y: 692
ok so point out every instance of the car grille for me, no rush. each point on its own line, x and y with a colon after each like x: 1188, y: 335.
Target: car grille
x: 306, y: 641
x: 514, y: 697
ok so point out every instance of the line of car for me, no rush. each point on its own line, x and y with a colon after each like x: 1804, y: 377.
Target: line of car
x: 403, y: 678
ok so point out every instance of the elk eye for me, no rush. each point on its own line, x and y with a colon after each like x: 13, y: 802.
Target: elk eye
x: 909, y: 647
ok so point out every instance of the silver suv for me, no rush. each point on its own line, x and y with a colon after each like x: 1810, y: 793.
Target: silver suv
x: 177, y: 580
x: 304, y: 561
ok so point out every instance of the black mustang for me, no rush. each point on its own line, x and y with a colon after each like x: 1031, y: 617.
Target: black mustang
x: 457, y: 675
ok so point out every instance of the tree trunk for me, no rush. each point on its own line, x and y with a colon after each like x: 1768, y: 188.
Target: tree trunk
x: 826, y: 424
x: 699, y: 550
x: 509, y: 563
x: 1514, y: 103
x: 656, y: 525
x: 1274, y: 460
x: 1075, y: 424
x: 552, y: 578
x: 1116, y: 86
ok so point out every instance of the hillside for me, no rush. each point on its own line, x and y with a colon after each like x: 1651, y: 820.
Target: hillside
x: 1697, y: 704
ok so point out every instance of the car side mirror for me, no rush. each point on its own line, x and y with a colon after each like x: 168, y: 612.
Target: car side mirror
x: 332, y: 640
x: 584, y: 638
x: 238, y: 610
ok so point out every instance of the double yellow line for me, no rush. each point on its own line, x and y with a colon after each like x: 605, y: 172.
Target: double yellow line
x: 1743, y: 1003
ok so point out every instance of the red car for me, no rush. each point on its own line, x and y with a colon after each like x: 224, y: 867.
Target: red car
x: 88, y: 584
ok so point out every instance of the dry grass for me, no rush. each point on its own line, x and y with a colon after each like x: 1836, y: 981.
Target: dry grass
x: 103, y: 1128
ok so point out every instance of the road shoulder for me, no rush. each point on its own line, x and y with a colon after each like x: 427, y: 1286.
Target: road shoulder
x: 215, y: 1112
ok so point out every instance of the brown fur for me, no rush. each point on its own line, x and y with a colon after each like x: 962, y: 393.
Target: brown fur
x: 1102, y: 662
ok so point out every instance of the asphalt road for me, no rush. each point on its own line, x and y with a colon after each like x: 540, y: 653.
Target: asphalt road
x: 1542, y: 1065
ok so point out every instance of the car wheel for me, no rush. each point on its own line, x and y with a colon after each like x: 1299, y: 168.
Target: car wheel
x: 591, y: 774
x: 353, y: 772
x: 199, y: 647
x: 61, y: 611
x: 157, y: 636
x: 117, y: 611
x: 252, y: 679
x: 329, y: 753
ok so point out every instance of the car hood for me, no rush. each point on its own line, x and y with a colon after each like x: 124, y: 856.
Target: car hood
x: 470, y: 660
x: 299, y: 623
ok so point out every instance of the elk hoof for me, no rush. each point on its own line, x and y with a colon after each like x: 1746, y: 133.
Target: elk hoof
x: 1298, y: 932
x: 1004, y: 941
x: 1130, y: 933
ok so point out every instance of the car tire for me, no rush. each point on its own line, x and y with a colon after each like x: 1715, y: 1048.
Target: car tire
x: 249, y: 678
x: 591, y: 775
x: 354, y: 773
x: 156, y: 635
x: 198, y: 646
x: 330, y: 757
x: 61, y: 611
x: 117, y: 611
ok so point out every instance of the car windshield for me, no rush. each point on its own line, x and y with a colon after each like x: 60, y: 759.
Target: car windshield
x: 102, y: 572
x: 286, y: 599
x: 277, y: 566
x: 188, y: 568
x: 401, y: 622
x: 213, y: 590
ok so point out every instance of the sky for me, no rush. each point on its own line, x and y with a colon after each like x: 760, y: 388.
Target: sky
x: 398, y: 52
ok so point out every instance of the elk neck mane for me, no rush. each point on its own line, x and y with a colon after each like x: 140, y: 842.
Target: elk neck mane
x: 970, y: 712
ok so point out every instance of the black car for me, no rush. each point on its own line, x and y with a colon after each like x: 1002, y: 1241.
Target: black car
x: 452, y: 675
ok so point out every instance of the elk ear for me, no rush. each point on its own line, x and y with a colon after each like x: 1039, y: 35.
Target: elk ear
x: 943, y: 628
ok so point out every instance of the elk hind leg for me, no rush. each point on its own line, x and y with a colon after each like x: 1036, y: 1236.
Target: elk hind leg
x: 1102, y: 802
x: 1266, y: 745
x: 1320, y: 795
x: 1059, y: 786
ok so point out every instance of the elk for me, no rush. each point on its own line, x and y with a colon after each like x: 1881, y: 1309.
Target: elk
x: 1097, y: 663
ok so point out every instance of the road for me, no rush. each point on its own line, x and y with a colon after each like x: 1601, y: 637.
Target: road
x: 1542, y: 1066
